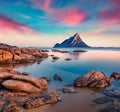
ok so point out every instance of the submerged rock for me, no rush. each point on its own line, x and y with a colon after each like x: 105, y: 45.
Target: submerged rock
x: 57, y: 77
x: 12, y: 106
x: 93, y: 79
x: 39, y: 101
x: 69, y: 90
x: 68, y: 59
x: 103, y: 100
x: 55, y: 58
x: 115, y: 75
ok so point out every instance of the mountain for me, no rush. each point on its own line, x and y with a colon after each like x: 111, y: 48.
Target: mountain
x: 3, y: 45
x: 74, y: 41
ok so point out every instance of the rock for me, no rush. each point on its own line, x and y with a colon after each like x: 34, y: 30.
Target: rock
x: 93, y: 79
x: 12, y: 106
x: 115, y: 75
x: 103, y: 100
x: 39, y: 101
x: 20, y: 86
x: 46, y: 78
x: 25, y: 73
x: 68, y: 59
x: 74, y: 41
x: 39, y: 83
x: 17, y: 51
x: 57, y: 77
x: 14, y: 94
x: 7, y: 56
x: 20, y: 55
x: 52, y: 98
x: 56, y: 50
x: 55, y: 58
x: 44, y: 55
x: 112, y: 93
x: 79, y: 51
x: 69, y: 90
x: 110, y: 109
x: 34, y: 103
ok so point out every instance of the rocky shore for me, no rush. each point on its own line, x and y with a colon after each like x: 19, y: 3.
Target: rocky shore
x: 15, y: 86
x: 20, y: 55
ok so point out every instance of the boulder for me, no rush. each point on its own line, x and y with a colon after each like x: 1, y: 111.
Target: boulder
x: 39, y: 101
x: 39, y: 83
x: 115, y: 75
x: 15, y: 85
x: 12, y: 106
x: 93, y: 79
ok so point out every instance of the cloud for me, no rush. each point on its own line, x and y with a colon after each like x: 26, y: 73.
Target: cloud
x: 111, y: 14
x: 10, y: 24
x: 42, y: 4
x: 70, y: 16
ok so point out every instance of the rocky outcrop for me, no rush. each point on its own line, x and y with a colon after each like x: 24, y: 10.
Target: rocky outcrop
x: 115, y: 75
x: 19, y: 91
x: 20, y: 55
x: 40, y: 101
x: 93, y: 79
x: 74, y: 41
x: 21, y: 83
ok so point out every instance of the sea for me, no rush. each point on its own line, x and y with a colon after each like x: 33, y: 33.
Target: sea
x: 106, y: 60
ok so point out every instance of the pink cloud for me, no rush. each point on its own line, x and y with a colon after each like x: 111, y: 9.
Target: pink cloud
x: 9, y: 24
x: 110, y: 15
x: 42, y: 4
x: 69, y: 16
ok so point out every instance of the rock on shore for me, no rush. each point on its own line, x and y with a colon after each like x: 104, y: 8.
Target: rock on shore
x: 20, y: 55
x: 93, y: 79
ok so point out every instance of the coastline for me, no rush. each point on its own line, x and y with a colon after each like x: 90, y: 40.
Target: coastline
x: 84, y: 97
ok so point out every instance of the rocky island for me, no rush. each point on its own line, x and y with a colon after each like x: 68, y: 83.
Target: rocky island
x: 74, y: 41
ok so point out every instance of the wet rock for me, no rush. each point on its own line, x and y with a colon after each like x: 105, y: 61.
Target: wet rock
x: 68, y: 59
x: 55, y: 58
x: 93, y: 79
x: 57, y: 77
x: 44, y: 55
x: 20, y: 86
x: 110, y: 109
x: 69, y: 90
x: 20, y: 55
x: 40, y: 83
x: 25, y: 73
x: 115, y: 75
x: 55, y: 50
x: 39, y: 101
x: 79, y: 51
x: 46, y: 78
x: 12, y: 106
x: 103, y: 100
x: 14, y: 94
x: 112, y: 93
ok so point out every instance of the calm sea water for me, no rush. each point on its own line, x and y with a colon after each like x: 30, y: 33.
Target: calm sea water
x: 105, y: 60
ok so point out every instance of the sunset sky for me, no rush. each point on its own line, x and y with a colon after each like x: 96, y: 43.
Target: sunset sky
x: 42, y: 23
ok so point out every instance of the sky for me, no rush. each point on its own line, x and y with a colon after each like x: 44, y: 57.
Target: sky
x: 42, y: 23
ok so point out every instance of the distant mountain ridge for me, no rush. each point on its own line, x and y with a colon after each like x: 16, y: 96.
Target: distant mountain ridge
x: 3, y: 45
x: 74, y: 41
